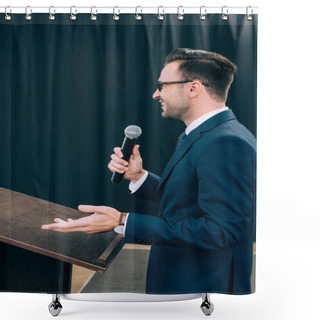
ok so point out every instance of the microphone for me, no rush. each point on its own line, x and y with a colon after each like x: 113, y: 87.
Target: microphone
x: 131, y: 134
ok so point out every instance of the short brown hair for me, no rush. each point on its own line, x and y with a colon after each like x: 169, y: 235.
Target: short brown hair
x: 211, y: 68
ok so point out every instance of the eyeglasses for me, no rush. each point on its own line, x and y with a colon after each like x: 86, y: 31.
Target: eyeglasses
x: 160, y: 84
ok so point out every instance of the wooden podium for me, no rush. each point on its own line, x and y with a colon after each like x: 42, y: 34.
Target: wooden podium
x: 36, y: 260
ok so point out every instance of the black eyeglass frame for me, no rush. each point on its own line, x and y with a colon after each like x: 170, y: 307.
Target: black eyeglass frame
x: 160, y: 84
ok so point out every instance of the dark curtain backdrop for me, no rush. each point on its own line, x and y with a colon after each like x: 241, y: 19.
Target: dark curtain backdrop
x: 69, y: 88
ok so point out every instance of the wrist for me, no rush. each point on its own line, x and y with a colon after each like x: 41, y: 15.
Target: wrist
x: 138, y: 176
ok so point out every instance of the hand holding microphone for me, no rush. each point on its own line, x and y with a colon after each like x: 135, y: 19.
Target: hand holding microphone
x: 126, y: 161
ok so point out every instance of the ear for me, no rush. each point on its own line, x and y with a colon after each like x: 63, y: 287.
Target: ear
x: 194, y: 89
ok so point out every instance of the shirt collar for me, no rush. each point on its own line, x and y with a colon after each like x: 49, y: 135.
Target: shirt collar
x: 194, y: 124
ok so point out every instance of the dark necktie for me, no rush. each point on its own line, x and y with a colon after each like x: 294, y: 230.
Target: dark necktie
x: 180, y: 139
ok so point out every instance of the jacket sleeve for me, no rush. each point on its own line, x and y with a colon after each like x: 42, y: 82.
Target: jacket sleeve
x: 226, y: 201
x: 148, y: 189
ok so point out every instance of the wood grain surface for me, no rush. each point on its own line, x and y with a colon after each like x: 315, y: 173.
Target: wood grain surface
x: 21, y: 218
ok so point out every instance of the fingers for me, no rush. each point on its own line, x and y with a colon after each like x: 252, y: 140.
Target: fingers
x: 117, y: 164
x: 52, y: 226
x: 92, y: 209
x: 65, y: 226
x: 135, y: 152
x: 113, y: 167
x: 118, y: 155
x: 118, y: 160
x: 118, y: 152
x: 70, y: 224
x: 45, y: 227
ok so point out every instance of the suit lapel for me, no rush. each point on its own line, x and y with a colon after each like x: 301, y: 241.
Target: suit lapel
x: 193, y: 136
x: 178, y: 154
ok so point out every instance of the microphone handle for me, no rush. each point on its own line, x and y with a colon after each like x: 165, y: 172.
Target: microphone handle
x: 127, y: 148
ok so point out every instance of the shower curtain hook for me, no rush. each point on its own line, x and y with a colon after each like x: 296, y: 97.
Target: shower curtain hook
x: 73, y: 13
x: 7, y: 16
x: 180, y: 13
x: 93, y: 16
x: 224, y: 13
x: 116, y: 14
x: 52, y: 12
x: 249, y: 16
x: 138, y: 16
x: 28, y: 13
x: 203, y: 13
x: 160, y: 15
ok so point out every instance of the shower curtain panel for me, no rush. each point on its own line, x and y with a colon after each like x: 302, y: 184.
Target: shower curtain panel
x: 68, y: 89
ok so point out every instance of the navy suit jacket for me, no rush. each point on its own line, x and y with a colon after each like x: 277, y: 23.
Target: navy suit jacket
x: 202, y: 237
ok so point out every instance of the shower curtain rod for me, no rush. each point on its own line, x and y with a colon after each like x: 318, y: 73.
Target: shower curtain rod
x: 181, y: 10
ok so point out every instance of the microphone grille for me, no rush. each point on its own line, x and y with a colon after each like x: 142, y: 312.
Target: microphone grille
x: 132, y: 132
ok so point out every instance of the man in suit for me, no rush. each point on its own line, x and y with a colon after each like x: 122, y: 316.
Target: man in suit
x: 202, y: 237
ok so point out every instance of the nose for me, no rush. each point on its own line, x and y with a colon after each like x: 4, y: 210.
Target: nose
x: 156, y: 94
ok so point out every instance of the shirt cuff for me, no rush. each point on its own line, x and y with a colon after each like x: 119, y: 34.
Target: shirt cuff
x: 121, y: 229
x: 134, y: 186
x: 125, y: 224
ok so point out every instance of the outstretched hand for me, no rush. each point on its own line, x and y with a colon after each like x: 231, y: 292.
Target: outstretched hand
x: 102, y: 219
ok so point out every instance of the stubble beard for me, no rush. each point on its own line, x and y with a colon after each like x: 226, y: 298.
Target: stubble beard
x: 177, y: 113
